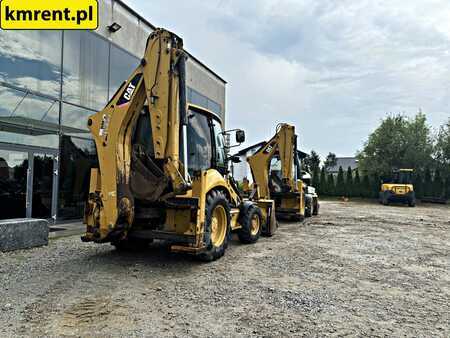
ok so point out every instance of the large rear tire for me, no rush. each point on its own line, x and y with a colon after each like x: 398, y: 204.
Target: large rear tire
x: 217, y: 226
x: 251, y: 223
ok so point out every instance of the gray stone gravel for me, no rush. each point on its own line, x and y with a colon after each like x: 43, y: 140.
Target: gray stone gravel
x: 359, y: 269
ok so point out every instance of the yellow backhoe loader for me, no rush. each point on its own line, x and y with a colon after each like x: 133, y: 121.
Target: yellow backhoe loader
x: 275, y: 169
x: 162, y: 166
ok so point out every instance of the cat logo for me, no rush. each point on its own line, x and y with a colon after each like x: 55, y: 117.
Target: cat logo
x: 129, y: 92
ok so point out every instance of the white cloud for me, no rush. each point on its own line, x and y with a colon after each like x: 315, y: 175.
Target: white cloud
x: 333, y: 68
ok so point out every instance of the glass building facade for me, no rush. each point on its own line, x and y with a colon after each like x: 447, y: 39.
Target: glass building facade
x: 50, y: 82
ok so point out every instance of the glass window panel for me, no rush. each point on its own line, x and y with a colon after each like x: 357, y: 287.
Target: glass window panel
x: 28, y: 119
x: 275, y: 181
x: 46, y: 139
x: 42, y: 186
x: 220, y: 145
x: 122, y: 65
x: 31, y: 59
x: 74, y: 120
x: 15, y: 103
x: 199, y: 142
x: 78, y: 156
x: 9, y: 100
x: 85, y: 69
x: 13, y: 184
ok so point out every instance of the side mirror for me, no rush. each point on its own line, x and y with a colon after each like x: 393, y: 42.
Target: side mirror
x: 240, y: 136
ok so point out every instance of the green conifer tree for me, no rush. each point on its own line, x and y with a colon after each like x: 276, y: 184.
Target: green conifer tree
x: 375, y: 185
x: 418, y: 184
x: 316, y: 179
x: 357, y: 185
x: 330, y: 185
x: 349, y: 183
x: 365, y: 186
x: 323, y: 182
x: 437, y: 186
x: 427, y: 183
x: 340, y: 183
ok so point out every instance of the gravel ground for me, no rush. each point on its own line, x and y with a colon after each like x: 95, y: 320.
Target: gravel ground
x: 358, y: 269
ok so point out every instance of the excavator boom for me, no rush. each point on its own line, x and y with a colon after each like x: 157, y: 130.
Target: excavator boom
x: 286, y: 190
x: 282, y: 144
x: 159, y: 83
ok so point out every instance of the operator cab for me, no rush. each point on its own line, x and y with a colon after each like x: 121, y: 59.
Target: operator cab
x: 205, y: 141
x: 403, y: 176
x: 400, y: 176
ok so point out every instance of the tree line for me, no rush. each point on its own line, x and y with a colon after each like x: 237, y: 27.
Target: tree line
x: 398, y: 142
x: 350, y: 183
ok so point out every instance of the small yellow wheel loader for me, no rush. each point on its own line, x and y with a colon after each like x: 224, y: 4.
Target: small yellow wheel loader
x: 275, y: 169
x: 398, y: 188
x: 163, y: 171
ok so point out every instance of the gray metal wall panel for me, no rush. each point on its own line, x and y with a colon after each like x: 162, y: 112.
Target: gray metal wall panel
x: 206, y: 84
x: 133, y: 36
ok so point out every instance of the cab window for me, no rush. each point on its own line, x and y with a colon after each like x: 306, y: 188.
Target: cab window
x: 199, y: 142
x: 219, y: 145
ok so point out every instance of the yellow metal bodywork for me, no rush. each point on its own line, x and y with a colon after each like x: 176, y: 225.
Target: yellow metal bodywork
x: 153, y: 82
x: 398, y: 189
x: 181, y: 208
x: 283, y: 145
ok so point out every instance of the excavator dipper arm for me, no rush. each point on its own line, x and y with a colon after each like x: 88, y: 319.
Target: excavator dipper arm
x: 283, y: 144
x: 159, y: 84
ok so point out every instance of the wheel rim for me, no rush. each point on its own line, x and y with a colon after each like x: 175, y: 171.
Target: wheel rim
x: 254, y: 225
x: 218, y: 225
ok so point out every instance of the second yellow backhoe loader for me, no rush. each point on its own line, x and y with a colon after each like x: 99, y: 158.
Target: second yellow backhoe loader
x: 275, y: 169
x: 163, y: 171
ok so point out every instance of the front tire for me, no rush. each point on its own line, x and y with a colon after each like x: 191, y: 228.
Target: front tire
x: 308, y: 207
x: 251, y: 223
x: 217, y: 226
x: 315, y: 207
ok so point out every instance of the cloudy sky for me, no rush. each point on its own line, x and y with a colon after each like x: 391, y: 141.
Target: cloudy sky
x: 332, y: 68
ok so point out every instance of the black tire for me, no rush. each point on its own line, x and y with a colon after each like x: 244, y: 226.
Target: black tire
x: 308, y: 207
x: 385, y: 200
x: 247, y: 234
x: 215, y: 199
x: 298, y: 218
x: 412, y: 203
x: 315, y: 211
